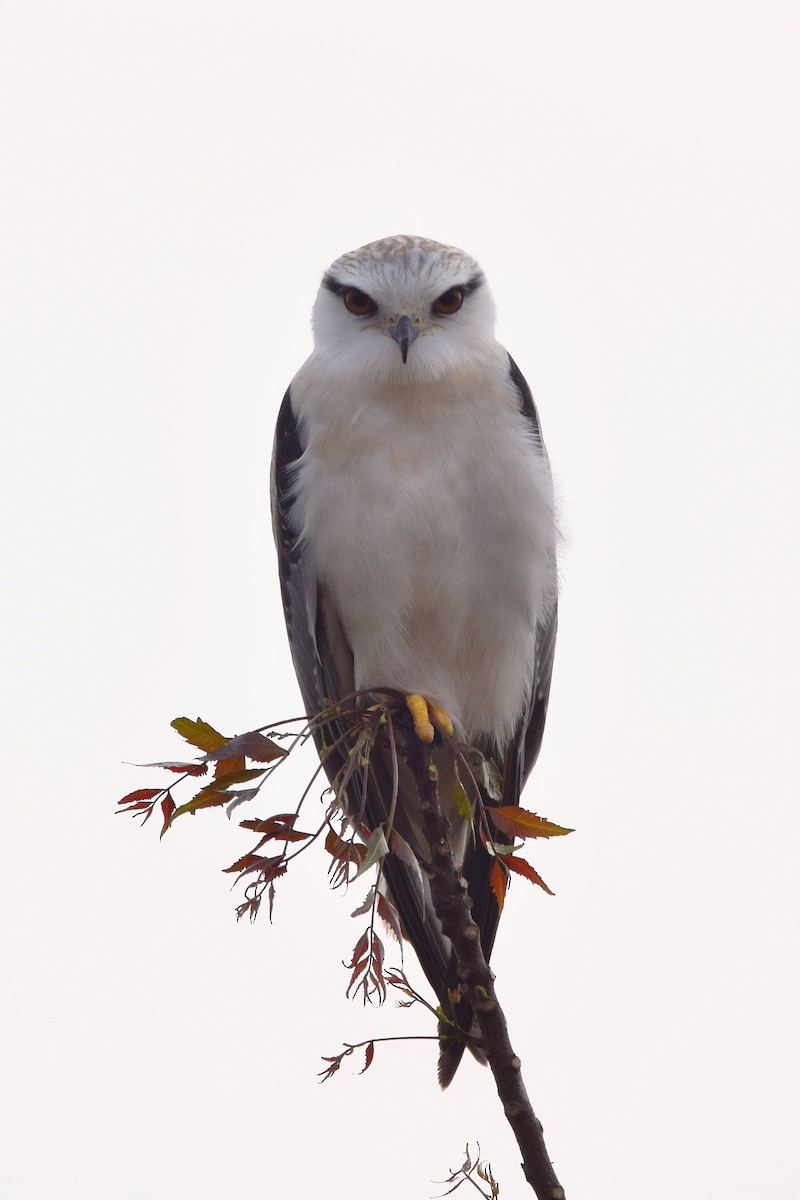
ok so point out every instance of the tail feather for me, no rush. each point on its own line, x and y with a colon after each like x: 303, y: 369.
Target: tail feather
x: 452, y: 1047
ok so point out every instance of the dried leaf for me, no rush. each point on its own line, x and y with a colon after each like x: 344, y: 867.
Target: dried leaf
x: 240, y: 797
x: 345, y: 854
x: 524, y: 868
x: 278, y: 828
x: 369, y: 1054
x: 518, y: 822
x: 268, y: 868
x: 389, y: 915
x: 179, y: 768
x: 199, y: 733
x: 366, y: 904
x: 359, y: 950
x: 248, y: 745
x: 333, y: 1064
x: 344, y: 851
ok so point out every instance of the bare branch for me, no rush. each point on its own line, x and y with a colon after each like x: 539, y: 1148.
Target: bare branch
x: 454, y: 910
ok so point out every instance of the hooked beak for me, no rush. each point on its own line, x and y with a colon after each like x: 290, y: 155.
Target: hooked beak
x: 404, y: 333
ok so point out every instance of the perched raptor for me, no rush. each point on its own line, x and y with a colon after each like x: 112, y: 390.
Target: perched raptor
x: 413, y: 516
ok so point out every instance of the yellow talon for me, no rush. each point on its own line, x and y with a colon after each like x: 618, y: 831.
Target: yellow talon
x: 425, y: 715
x: 441, y: 719
x: 418, y: 707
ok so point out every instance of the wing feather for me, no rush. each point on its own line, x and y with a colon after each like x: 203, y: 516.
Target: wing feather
x: 323, y: 662
x: 516, y: 762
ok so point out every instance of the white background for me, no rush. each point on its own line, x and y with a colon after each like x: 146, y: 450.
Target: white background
x: 175, y: 177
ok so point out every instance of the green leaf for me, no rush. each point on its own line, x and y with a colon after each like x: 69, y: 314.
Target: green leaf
x: 462, y: 802
x: 199, y: 733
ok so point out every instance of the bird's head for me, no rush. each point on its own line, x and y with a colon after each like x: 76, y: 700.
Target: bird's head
x: 404, y: 310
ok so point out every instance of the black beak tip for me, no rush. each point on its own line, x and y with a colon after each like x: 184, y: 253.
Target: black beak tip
x: 404, y: 334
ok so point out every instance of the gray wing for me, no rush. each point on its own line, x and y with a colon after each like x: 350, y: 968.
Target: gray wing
x: 298, y: 588
x: 324, y: 667
x: 527, y: 741
x: 515, y: 760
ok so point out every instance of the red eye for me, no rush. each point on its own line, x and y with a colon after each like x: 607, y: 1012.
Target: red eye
x: 449, y: 302
x: 359, y: 303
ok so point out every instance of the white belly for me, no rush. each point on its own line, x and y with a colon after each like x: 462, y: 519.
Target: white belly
x: 431, y: 527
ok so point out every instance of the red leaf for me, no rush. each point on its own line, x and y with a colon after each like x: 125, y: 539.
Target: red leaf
x: 258, y: 824
x: 333, y: 1065
x: 499, y: 882
x: 342, y: 851
x: 167, y: 808
x: 276, y: 828
x: 369, y: 1054
x: 359, y: 950
x: 136, y: 798
x: 388, y: 914
x: 231, y: 766
x: 524, y: 868
x: 268, y: 868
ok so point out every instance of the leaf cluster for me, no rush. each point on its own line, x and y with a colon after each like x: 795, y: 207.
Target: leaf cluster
x: 235, y: 769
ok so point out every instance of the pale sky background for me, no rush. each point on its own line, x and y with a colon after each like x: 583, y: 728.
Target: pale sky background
x: 175, y: 177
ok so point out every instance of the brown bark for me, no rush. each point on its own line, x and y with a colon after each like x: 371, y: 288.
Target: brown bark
x: 454, y: 909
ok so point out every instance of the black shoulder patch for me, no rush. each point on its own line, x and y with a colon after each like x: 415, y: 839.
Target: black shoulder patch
x: 526, y: 404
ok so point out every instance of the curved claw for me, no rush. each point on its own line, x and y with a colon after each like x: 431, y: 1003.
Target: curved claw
x: 426, y: 715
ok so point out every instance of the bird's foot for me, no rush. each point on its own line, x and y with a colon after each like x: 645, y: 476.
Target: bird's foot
x: 428, y: 718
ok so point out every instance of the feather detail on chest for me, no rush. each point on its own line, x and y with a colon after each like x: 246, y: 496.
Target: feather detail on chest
x: 427, y: 517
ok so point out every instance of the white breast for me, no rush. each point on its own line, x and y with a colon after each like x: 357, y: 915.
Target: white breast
x: 428, y: 517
